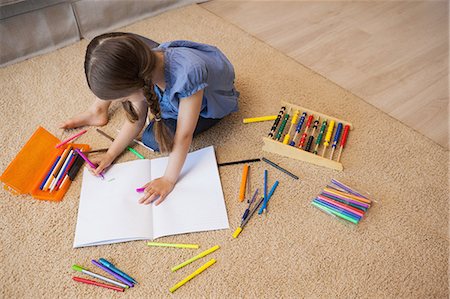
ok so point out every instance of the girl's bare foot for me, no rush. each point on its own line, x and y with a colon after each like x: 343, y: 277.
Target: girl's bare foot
x: 94, y: 116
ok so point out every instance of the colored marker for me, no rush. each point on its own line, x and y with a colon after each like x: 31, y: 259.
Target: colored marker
x: 243, y: 224
x: 247, y: 211
x: 196, y: 272
x: 258, y: 119
x: 193, y: 246
x: 140, y: 190
x: 109, y: 271
x: 70, y: 138
x: 239, y: 162
x: 48, y: 174
x: 243, y: 183
x: 99, y: 284
x: 264, y: 205
x: 198, y: 256
x: 66, y: 171
x: 280, y: 168
x: 105, y: 263
x: 61, y: 171
x: 337, y: 135
x: 92, y: 165
x: 80, y: 269
x: 128, y: 148
x: 347, y: 188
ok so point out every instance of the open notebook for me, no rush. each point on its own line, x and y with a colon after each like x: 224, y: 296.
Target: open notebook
x: 109, y: 211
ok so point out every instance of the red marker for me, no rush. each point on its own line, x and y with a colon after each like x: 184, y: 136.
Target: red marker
x: 343, y: 141
x: 103, y: 285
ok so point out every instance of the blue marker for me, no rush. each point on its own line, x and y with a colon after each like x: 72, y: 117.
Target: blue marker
x: 48, y: 174
x: 272, y: 190
x: 113, y: 268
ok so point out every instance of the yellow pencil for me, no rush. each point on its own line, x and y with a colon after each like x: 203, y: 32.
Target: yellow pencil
x: 196, y: 272
x: 194, y: 246
x: 199, y: 256
x: 257, y: 119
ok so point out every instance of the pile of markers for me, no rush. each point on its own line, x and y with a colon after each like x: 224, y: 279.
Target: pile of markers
x: 342, y: 201
x: 125, y: 280
x: 307, y: 136
x: 64, y: 168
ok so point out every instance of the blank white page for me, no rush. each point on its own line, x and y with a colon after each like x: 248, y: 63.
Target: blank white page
x: 109, y: 211
x: 196, y: 203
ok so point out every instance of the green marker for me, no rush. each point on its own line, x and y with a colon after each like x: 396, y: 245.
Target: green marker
x: 135, y: 152
x: 80, y: 269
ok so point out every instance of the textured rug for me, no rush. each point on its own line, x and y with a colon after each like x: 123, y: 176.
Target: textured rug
x: 399, y: 250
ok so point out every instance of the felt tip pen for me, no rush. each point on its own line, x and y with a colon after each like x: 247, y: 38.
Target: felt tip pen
x: 95, y: 275
x: 118, y: 271
x: 92, y: 165
x: 92, y: 282
x: 109, y: 271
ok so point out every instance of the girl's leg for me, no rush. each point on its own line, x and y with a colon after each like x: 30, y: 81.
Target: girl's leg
x: 203, y: 124
x: 96, y: 115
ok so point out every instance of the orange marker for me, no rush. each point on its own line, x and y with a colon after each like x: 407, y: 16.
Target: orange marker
x: 243, y: 183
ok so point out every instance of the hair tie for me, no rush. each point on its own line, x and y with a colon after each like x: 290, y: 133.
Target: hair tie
x: 158, y: 117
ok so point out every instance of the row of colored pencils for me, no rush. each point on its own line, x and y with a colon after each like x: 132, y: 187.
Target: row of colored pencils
x: 340, y: 200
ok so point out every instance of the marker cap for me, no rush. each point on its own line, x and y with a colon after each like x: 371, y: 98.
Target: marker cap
x: 237, y: 232
x: 77, y: 268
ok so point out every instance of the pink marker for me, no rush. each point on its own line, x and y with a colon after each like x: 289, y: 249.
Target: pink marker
x: 92, y: 165
x: 140, y: 190
x: 71, y: 138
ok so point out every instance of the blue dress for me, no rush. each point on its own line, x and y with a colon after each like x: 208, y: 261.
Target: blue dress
x: 190, y: 67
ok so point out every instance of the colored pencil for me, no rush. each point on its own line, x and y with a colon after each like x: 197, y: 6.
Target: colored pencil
x: 280, y: 168
x: 238, y: 162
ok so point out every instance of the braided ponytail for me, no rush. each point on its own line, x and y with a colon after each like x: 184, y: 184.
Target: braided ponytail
x: 161, y: 132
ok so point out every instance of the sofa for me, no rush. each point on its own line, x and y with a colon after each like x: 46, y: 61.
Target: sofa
x: 33, y: 27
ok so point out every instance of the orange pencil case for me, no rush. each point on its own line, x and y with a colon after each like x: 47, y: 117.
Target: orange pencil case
x: 30, y: 167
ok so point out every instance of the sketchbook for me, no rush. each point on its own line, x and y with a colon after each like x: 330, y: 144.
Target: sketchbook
x: 109, y: 211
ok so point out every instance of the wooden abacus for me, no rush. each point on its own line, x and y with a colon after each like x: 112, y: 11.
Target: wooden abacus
x: 283, y: 142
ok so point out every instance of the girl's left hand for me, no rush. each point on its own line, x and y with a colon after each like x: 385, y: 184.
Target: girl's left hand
x: 156, y: 190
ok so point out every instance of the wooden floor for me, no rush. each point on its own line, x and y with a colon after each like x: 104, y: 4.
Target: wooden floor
x: 393, y: 55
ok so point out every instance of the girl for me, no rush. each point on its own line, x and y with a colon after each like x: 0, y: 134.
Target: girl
x: 188, y: 87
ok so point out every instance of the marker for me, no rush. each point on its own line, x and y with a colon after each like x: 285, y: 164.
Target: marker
x: 264, y: 205
x: 128, y: 148
x: 239, y: 162
x: 118, y: 271
x: 48, y: 174
x: 80, y: 269
x: 196, y: 272
x: 243, y: 224
x: 92, y: 165
x: 265, y: 186
x: 198, y: 256
x: 258, y: 119
x: 99, y: 284
x: 247, y: 211
x: 140, y: 190
x: 109, y: 271
x: 280, y: 168
x: 70, y: 138
x: 193, y: 246
x: 61, y: 171
x: 243, y: 183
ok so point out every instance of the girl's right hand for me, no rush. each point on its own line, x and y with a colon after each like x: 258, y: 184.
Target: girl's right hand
x: 102, y: 163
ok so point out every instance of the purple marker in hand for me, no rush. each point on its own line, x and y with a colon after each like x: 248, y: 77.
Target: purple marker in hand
x: 92, y: 165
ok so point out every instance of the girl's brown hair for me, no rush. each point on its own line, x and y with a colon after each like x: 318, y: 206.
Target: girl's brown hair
x: 118, y: 64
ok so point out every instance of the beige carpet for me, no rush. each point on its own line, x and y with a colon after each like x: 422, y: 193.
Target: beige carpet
x: 399, y: 251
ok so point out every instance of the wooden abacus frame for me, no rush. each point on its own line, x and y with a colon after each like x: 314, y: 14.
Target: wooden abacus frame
x: 277, y: 147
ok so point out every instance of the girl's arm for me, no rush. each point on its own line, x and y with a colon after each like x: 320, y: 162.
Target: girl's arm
x: 128, y: 132
x: 189, y: 111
